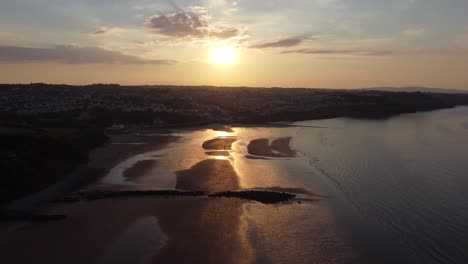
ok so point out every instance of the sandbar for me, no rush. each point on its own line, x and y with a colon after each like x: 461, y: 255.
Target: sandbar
x: 209, y: 175
x: 278, y: 148
x: 219, y: 143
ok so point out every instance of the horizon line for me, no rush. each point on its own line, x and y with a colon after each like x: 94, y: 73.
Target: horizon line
x: 244, y: 86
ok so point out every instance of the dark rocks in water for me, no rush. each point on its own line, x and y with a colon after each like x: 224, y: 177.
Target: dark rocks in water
x: 296, y: 190
x: 265, y: 197
x: 16, y: 215
x: 122, y: 194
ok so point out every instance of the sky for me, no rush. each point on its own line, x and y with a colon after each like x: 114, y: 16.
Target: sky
x: 276, y: 43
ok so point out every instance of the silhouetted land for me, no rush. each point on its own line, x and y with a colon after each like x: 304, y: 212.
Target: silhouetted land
x: 47, y: 131
x: 31, y: 159
x: 105, y: 105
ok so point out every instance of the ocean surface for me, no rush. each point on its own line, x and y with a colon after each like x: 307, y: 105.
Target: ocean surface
x: 404, y: 182
x: 390, y: 191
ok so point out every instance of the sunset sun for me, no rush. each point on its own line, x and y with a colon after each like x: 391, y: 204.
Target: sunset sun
x: 224, y: 55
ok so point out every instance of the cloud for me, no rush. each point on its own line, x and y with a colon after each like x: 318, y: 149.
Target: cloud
x: 290, y: 42
x: 224, y: 7
x: 183, y: 24
x: 355, y: 52
x: 101, y: 31
x: 72, y: 55
x: 319, y: 52
x: 225, y: 33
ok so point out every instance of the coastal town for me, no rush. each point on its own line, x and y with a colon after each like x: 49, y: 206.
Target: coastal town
x: 115, y: 105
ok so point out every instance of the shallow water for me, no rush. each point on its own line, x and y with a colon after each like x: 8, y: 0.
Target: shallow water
x: 138, y: 241
x: 395, y: 188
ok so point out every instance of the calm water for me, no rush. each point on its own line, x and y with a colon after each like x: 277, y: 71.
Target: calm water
x: 397, y: 188
x: 404, y: 181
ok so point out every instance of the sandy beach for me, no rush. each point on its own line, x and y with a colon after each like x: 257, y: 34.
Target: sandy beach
x: 151, y: 229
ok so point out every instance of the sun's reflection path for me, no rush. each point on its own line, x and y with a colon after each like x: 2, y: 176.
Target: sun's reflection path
x: 222, y: 133
x: 221, y: 157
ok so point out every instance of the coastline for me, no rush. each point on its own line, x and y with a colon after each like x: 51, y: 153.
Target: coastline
x: 305, y: 228
x: 101, y: 161
x: 181, y: 219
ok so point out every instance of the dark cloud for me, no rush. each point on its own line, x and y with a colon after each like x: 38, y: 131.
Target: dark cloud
x: 100, y: 31
x: 225, y: 33
x: 72, y: 55
x: 180, y: 24
x: 188, y: 24
x: 290, y: 42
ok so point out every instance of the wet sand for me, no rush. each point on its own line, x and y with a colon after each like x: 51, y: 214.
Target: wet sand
x: 206, y: 232
x: 252, y: 157
x: 278, y: 148
x: 209, y: 176
x: 218, y: 153
x: 139, y: 169
x: 222, y: 128
x: 122, y: 147
x: 194, y: 230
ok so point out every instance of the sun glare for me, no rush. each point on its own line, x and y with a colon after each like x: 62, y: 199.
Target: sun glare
x: 224, y: 55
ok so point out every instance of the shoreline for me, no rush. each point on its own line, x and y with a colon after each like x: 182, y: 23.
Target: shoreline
x: 214, y: 207
x: 101, y: 161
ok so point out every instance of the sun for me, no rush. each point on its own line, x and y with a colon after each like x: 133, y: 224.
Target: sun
x: 224, y: 55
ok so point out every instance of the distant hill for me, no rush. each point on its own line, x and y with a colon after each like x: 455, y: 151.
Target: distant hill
x: 417, y: 89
